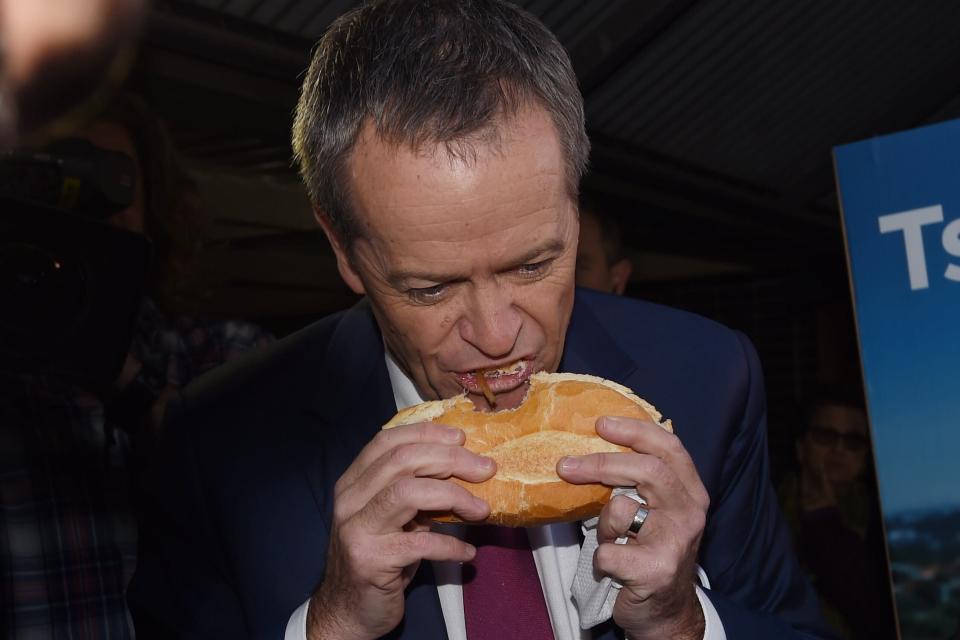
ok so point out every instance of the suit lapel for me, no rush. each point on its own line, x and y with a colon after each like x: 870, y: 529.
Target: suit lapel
x: 348, y: 404
x: 424, y: 617
x: 356, y: 373
x: 590, y: 349
x: 346, y: 415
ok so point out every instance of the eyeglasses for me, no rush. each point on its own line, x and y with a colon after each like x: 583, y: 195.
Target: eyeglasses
x: 828, y: 437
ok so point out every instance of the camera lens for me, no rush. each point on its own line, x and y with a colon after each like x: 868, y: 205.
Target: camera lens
x: 42, y: 293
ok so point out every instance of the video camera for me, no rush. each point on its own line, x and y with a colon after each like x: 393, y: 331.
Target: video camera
x: 70, y: 283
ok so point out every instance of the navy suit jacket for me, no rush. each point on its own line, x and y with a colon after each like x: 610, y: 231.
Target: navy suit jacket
x: 237, y: 509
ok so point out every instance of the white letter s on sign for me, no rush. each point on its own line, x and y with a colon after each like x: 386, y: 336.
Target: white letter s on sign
x: 951, y: 244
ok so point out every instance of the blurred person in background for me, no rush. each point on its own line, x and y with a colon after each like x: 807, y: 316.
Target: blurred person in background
x: 832, y: 506
x: 601, y: 264
x: 54, y: 52
x: 68, y: 452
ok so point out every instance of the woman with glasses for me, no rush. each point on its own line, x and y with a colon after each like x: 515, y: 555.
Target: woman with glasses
x: 832, y: 504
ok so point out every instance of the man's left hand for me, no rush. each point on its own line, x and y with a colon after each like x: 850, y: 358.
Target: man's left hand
x: 657, y: 567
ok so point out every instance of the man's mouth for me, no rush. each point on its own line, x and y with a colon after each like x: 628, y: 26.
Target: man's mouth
x: 497, y: 380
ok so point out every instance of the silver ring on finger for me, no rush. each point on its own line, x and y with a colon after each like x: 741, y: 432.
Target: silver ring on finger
x: 638, y: 519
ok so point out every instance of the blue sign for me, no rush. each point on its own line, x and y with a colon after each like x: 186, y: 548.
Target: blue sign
x: 900, y: 199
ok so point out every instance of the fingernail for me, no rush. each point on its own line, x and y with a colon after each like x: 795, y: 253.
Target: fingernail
x: 452, y: 434
x: 569, y: 463
x: 485, y: 463
x: 611, y: 422
x: 479, y: 502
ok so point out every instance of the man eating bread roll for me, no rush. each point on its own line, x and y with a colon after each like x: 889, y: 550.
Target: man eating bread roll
x: 442, y: 144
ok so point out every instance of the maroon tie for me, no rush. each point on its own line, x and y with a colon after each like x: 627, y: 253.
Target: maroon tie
x: 502, y: 597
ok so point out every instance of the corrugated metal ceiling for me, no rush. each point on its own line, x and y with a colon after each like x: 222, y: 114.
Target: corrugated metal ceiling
x: 721, y: 112
x: 763, y: 90
x: 308, y: 18
x: 757, y: 91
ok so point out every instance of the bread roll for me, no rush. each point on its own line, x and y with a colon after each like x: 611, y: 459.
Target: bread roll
x: 557, y: 418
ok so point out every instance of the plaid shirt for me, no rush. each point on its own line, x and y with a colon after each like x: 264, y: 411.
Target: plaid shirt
x: 67, y: 530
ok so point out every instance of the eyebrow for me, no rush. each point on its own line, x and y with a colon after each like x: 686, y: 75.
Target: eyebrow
x: 398, y: 278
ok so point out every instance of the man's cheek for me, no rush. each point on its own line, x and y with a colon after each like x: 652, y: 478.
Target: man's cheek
x: 446, y: 321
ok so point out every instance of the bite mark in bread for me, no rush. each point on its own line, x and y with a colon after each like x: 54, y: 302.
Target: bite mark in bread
x: 556, y: 418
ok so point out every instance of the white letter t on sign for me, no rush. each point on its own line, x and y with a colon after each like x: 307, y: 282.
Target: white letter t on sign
x: 911, y: 222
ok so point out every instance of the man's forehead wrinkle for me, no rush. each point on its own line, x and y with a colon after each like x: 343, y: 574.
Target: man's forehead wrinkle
x: 441, y: 211
x: 444, y: 227
x: 450, y: 265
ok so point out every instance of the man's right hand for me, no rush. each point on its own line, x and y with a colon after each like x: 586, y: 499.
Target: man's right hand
x: 378, y: 538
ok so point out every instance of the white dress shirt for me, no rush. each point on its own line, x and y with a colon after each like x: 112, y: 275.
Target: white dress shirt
x: 556, y: 550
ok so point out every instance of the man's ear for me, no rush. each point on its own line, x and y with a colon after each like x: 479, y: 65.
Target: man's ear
x: 620, y: 275
x: 344, y: 266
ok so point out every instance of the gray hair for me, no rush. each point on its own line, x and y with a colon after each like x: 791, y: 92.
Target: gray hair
x: 443, y: 72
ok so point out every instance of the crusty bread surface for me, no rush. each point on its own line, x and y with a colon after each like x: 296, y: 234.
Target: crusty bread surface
x: 556, y: 419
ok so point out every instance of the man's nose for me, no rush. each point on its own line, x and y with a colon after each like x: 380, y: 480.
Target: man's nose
x: 491, y: 322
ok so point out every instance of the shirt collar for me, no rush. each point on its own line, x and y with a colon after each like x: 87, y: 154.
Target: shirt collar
x: 405, y: 393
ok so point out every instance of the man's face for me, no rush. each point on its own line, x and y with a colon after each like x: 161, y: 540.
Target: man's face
x: 468, y: 265
x: 593, y: 269
x: 836, y: 443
